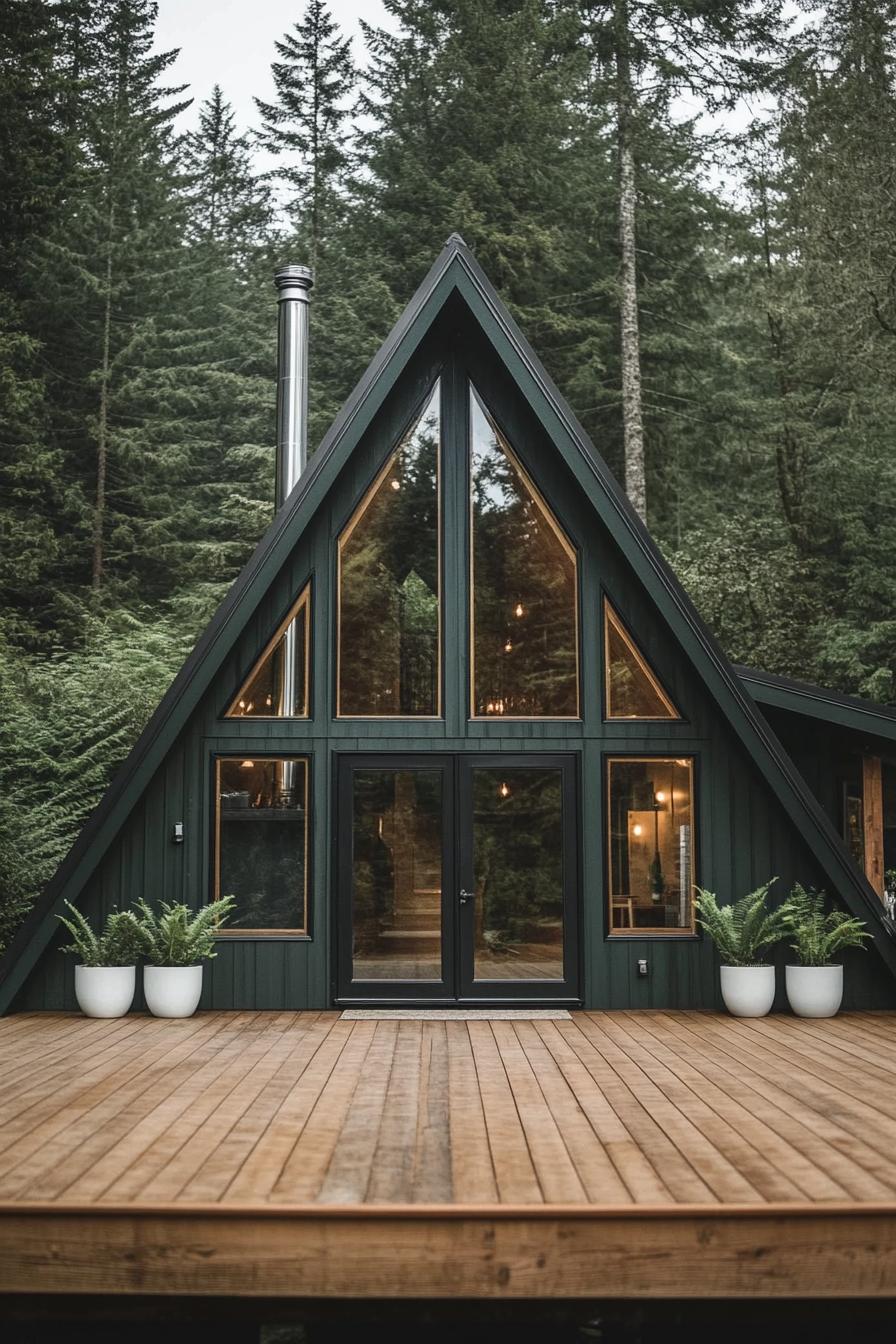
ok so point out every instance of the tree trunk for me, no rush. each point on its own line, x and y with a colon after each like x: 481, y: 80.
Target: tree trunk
x: 102, y: 429
x: 791, y: 457
x: 632, y: 419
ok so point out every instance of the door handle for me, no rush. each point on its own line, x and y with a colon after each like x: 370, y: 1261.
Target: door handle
x: 466, y: 896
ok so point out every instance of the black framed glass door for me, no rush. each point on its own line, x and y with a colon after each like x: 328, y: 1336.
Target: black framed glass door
x: 457, y: 878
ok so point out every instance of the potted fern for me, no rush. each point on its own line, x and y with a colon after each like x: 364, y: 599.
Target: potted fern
x: 743, y: 933
x: 106, y: 971
x: 176, y: 942
x: 815, y: 983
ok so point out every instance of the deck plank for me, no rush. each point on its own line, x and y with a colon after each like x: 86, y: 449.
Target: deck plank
x: 348, y: 1175
x: 838, y: 1111
x: 472, y: 1169
x: 313, y: 1063
x: 515, y: 1174
x: 306, y: 1166
x: 761, y: 1153
x: 392, y: 1169
x: 771, y: 1097
x: 432, y: 1153
x: 675, y: 1170
x: 635, y: 1170
x: 600, y: 1180
x: 557, y: 1175
x: 90, y: 1106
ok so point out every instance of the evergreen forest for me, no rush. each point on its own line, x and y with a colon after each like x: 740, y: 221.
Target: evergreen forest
x: 689, y: 206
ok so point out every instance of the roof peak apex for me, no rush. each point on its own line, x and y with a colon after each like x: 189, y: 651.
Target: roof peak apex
x: 455, y: 240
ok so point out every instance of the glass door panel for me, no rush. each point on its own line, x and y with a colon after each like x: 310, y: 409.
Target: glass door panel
x: 518, y: 874
x: 396, y: 877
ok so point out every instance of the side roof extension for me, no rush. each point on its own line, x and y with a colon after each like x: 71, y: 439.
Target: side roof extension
x: 815, y: 702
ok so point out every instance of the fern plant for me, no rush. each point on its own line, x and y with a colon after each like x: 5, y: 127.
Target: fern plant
x: 179, y: 936
x: 744, y: 931
x: 119, y: 944
x: 819, y: 936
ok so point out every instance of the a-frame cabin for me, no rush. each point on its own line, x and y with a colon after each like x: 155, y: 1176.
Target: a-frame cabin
x: 456, y: 735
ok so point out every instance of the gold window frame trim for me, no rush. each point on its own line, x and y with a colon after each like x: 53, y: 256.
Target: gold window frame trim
x: 345, y: 536
x: 216, y: 891
x: 303, y: 600
x: 650, y: 931
x: 612, y: 617
x: 571, y: 554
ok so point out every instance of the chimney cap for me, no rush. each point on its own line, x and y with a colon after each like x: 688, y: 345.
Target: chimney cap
x: 291, y: 278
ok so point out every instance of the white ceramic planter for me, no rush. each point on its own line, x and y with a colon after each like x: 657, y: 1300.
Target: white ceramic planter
x: 105, y: 991
x: 748, y: 991
x: 814, y: 991
x: 172, y: 991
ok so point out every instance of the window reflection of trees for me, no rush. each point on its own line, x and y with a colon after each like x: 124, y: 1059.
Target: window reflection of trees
x: 518, y: 862
x: 389, y: 585
x: 524, y: 590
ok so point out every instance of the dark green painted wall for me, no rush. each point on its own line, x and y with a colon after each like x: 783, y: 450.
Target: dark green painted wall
x: 742, y: 837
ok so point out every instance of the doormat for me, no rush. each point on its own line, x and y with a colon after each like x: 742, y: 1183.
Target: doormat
x: 456, y: 1014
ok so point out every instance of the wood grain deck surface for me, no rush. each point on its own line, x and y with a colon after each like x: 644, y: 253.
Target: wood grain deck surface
x: 298, y: 1108
x: 628, y: 1120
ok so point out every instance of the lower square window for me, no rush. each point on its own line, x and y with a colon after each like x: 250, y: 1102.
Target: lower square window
x: 650, y: 803
x: 261, y: 852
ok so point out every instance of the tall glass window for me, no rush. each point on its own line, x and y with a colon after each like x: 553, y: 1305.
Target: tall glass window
x: 261, y: 812
x: 524, y: 589
x: 389, y: 585
x: 277, y: 686
x: 651, y: 844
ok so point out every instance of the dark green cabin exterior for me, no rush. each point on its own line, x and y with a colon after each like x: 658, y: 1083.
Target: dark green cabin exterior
x: 762, y: 802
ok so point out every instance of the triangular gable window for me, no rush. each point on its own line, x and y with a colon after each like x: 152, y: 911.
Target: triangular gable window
x: 632, y: 689
x: 524, y: 588
x: 277, y: 686
x: 389, y: 585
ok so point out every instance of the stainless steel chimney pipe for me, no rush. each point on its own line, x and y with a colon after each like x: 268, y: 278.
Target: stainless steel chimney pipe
x: 293, y: 285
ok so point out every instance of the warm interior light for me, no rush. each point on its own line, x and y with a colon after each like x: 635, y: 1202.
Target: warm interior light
x: 637, y: 829
x: 504, y: 790
x: 508, y: 646
x: 518, y: 609
x: 396, y: 485
x: 660, y: 796
x: 247, y: 765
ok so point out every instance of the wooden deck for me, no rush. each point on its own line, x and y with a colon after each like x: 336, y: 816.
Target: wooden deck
x: 640, y: 1154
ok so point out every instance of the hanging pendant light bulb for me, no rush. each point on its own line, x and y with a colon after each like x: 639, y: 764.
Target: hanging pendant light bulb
x: 518, y: 609
x: 504, y: 789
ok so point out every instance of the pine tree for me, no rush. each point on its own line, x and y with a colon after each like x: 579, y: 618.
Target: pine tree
x: 468, y: 123
x: 651, y: 49
x: 229, y: 205
x: 824, y: 198
x: 201, y: 394
x: 314, y: 81
x: 107, y: 268
x: 38, y: 152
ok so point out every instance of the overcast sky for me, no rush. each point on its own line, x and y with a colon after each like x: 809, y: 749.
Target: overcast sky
x: 231, y: 43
